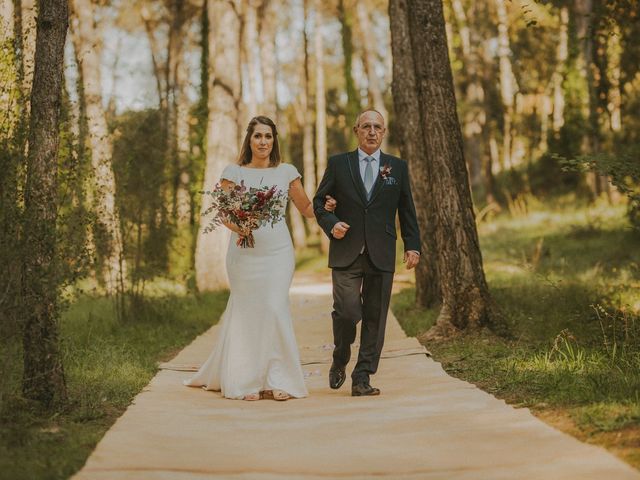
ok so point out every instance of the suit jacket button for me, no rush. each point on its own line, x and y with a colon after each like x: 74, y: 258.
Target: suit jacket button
x: 366, y: 210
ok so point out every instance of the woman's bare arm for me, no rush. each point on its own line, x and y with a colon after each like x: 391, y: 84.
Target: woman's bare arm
x: 300, y: 199
x: 302, y: 202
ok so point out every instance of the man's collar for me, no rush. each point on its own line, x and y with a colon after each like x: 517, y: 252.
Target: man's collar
x: 362, y: 155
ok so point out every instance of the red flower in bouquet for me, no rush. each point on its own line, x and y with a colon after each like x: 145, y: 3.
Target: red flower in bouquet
x: 247, y: 207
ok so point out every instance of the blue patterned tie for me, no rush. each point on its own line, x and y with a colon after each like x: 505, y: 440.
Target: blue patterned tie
x: 368, y: 176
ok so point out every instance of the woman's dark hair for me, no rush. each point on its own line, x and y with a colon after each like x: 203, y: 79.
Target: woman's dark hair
x: 245, y: 152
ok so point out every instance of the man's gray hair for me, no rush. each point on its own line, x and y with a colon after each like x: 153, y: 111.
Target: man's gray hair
x: 362, y: 112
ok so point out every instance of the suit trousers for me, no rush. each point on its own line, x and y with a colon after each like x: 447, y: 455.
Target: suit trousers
x: 360, y: 292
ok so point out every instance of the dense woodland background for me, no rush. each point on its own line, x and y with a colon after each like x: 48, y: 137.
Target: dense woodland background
x: 156, y: 95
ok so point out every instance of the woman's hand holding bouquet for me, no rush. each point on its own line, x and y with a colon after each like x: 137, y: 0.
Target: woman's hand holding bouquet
x: 245, y: 209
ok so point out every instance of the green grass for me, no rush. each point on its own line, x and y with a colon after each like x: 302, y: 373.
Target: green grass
x: 568, y: 284
x: 107, y: 362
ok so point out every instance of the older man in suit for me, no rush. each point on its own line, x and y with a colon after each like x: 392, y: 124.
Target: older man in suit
x: 370, y: 188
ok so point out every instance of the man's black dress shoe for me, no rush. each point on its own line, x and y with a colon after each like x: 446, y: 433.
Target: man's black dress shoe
x: 337, y: 376
x: 363, y: 389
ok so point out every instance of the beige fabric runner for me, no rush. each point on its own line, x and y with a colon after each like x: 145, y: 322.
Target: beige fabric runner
x: 425, y: 425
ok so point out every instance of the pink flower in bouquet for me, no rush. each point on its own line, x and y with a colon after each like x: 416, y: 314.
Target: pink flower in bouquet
x: 248, y: 208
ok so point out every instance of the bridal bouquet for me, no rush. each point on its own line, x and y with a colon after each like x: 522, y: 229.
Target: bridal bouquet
x: 247, y: 207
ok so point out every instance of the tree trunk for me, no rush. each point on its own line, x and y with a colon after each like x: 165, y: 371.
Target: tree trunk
x: 321, y: 105
x: 405, y: 99
x: 584, y: 63
x: 151, y: 27
x: 466, y: 303
x: 249, y: 46
x: 175, y: 84
x: 268, y: 57
x: 225, y: 93
x: 508, y: 86
x: 11, y: 183
x: 489, y: 159
x: 475, y: 117
x: 562, y: 53
x: 586, y: 23
x: 546, y: 110
x: 353, y: 101
x: 181, y: 175
x: 85, y: 43
x: 43, y: 376
x: 84, y: 158
x: 10, y: 94
x: 9, y: 100
x: 28, y: 13
x: 369, y: 58
x: 614, y: 56
x: 584, y: 31
x: 308, y: 157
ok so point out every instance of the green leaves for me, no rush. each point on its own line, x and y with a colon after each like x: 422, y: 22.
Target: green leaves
x: 622, y: 168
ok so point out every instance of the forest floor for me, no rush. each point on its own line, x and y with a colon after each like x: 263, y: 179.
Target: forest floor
x: 107, y: 362
x: 568, y: 284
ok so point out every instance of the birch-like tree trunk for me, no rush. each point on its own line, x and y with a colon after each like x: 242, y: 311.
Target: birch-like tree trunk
x: 584, y: 34
x: 475, y: 117
x: 249, y: 47
x: 11, y: 183
x: 10, y: 66
x: 7, y: 62
x: 181, y: 175
x: 353, y: 100
x: 562, y: 53
x: 268, y: 58
x: 150, y: 26
x: 28, y: 13
x: 177, y: 113
x: 43, y: 375
x: 508, y: 85
x: 306, y: 116
x: 584, y: 21
x: 321, y: 104
x: 405, y: 100
x: 614, y: 56
x: 466, y: 303
x: 614, y: 94
x: 225, y: 92
x: 86, y: 42
x: 369, y: 59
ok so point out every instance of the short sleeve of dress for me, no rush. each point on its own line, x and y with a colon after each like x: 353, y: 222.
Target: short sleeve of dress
x: 291, y: 172
x: 232, y: 173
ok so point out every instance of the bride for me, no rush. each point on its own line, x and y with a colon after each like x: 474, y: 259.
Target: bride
x: 255, y: 355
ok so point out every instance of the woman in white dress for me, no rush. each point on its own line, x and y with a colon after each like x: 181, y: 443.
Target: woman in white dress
x: 256, y: 355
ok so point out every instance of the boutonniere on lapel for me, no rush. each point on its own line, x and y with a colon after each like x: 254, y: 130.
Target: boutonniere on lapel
x: 385, y: 173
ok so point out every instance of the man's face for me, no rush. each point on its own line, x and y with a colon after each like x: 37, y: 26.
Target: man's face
x: 370, y: 131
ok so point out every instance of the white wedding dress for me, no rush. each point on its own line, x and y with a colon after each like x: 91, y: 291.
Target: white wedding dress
x: 256, y: 348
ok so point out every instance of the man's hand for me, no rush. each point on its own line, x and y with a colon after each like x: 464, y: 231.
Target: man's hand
x: 411, y: 258
x: 330, y: 203
x: 339, y: 230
